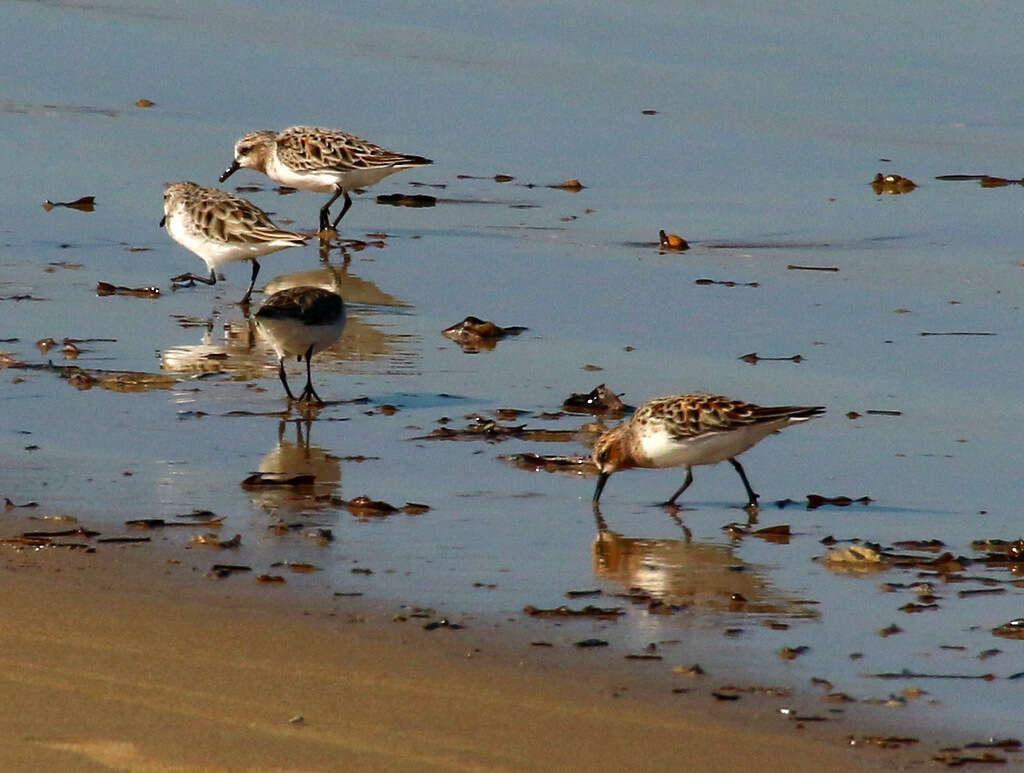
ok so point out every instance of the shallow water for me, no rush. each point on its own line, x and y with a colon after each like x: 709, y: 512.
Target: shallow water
x: 768, y: 131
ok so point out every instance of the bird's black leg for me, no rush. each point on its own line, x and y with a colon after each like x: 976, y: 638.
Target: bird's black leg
x: 284, y: 379
x: 743, y: 476
x: 309, y: 394
x: 348, y: 203
x: 686, y: 484
x: 190, y: 277
x: 325, y: 215
x: 252, y: 282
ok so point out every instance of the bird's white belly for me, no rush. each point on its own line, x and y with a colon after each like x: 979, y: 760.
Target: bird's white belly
x: 319, y: 181
x: 289, y: 337
x: 662, y: 450
x: 364, y: 178
x: 191, y: 239
x: 324, y: 180
x: 212, y: 252
x: 215, y: 252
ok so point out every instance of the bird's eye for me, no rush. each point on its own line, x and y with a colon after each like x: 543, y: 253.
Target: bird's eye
x: 602, y: 456
x: 244, y: 150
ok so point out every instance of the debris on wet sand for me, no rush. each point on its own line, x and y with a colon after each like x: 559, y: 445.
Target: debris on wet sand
x: 83, y: 204
x: 672, y: 242
x: 893, y: 184
x: 105, y: 288
x: 474, y: 334
x: 599, y: 401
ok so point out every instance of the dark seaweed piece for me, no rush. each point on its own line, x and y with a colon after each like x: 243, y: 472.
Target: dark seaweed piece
x: 260, y: 479
x: 814, y: 501
x: 725, y: 283
x: 1014, y: 629
x: 407, y: 200
x: 599, y: 401
x: 672, y: 242
x: 364, y: 506
x: 474, y: 334
x: 753, y: 358
x: 908, y: 674
x: 84, y: 204
x: 573, y: 464
x: 442, y: 623
x: 224, y: 570
x: 105, y: 288
x: 892, y: 184
x: 958, y: 333
x: 603, y: 613
x: 78, y: 532
x: 128, y: 540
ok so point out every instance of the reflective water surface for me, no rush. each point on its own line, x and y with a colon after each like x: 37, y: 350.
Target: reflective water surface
x: 762, y: 134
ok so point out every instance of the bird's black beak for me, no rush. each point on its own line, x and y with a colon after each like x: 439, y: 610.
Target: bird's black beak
x: 602, y: 478
x: 230, y: 171
x: 163, y: 221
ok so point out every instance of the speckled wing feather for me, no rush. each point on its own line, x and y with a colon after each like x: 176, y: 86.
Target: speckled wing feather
x: 313, y: 305
x: 686, y: 416
x: 310, y: 149
x: 228, y: 218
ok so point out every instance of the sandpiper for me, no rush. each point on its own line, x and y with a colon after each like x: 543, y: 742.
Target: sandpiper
x: 220, y: 227
x: 689, y: 430
x: 300, y: 322
x: 317, y: 159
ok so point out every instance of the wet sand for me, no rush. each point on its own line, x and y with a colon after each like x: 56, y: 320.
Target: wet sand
x: 112, y: 661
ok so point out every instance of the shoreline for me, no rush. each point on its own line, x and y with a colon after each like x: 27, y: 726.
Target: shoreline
x: 119, y: 660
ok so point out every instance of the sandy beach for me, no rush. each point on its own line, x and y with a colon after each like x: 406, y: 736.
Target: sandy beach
x: 114, y: 662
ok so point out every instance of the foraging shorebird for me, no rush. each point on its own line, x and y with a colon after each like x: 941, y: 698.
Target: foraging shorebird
x: 299, y: 322
x: 315, y: 159
x: 220, y: 227
x: 690, y: 430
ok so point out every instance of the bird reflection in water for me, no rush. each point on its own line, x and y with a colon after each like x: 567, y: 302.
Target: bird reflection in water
x: 291, y: 458
x: 234, y: 353
x: 701, y: 576
x: 330, y: 242
x: 337, y: 279
x: 368, y: 345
